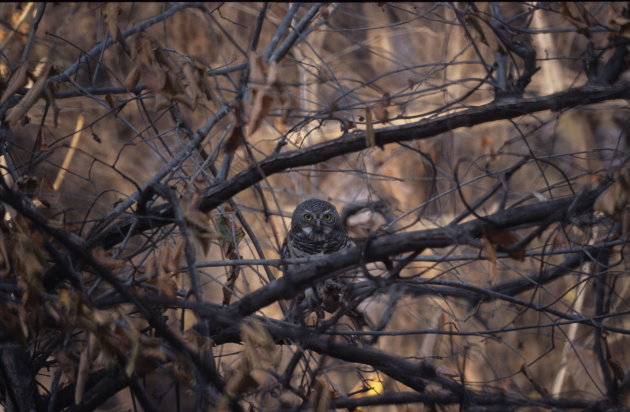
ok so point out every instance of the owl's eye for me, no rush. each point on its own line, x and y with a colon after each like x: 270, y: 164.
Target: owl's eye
x: 327, y: 216
x: 307, y: 216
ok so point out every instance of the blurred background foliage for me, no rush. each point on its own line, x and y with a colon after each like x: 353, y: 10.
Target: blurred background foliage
x: 87, y: 143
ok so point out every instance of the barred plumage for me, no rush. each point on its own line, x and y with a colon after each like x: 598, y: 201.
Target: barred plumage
x: 316, y: 229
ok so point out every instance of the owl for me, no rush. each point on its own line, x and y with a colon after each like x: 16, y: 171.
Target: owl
x: 317, y: 229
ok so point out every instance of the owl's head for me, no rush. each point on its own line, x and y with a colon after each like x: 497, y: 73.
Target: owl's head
x: 315, y: 219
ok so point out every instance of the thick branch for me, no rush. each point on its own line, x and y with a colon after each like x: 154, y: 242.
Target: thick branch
x: 477, y: 399
x: 354, y: 142
x: 380, y: 249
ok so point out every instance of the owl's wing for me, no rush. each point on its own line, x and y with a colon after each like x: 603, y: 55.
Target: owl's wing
x: 285, y: 253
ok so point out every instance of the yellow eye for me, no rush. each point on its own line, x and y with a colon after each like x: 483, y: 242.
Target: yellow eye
x: 307, y: 216
x: 327, y: 216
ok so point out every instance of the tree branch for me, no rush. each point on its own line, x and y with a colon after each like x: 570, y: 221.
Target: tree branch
x: 354, y: 142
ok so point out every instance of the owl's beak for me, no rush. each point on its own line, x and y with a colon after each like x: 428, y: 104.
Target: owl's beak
x: 318, y: 226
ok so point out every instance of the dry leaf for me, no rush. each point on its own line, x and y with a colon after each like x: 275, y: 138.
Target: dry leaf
x: 39, y: 141
x: 101, y: 256
x: 613, y: 202
x: 31, y: 97
x: 111, y: 11
x: 616, y: 368
x: 262, y: 95
x: 370, y: 137
x: 5, y: 262
x: 68, y: 365
x: 143, y: 53
x: 380, y: 112
x: 134, y: 336
x: 320, y: 396
x: 50, y: 99
x: 261, y: 107
x: 234, y: 139
x: 132, y: 78
x: 489, y: 249
x: 82, y: 374
x: 168, y: 287
x: 193, y: 83
x: 506, y: 238
x: 198, y: 222
x: 206, y: 86
x: 186, y: 100
x: 17, y: 80
x: 161, y: 102
x: 387, y: 99
x: 230, y: 234
x: 446, y: 371
x: 486, y: 35
x: 623, y: 24
x: 260, y: 349
x: 153, y: 76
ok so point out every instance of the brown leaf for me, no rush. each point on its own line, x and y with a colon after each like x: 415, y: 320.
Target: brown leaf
x: 257, y: 69
x: 143, y: 53
x: 17, y: 80
x: 40, y: 144
x: 132, y: 78
x: 168, y: 287
x: 49, y: 92
x: 614, y: 200
x: 192, y: 83
x: 111, y: 11
x: 370, y: 137
x: 380, y: 112
x: 230, y: 234
x: 31, y: 97
x: 320, y: 396
x: 82, y: 374
x: 387, y: 99
x: 161, y: 102
x: 486, y: 35
x: 165, y: 59
x: 110, y: 100
x: 623, y: 24
x: 28, y: 259
x: 446, y: 371
x: 101, y: 256
x: 239, y: 383
x: 261, y: 351
x: 5, y: 262
x: 153, y: 76
x: 616, y: 368
x: 134, y: 336
x: 206, y: 85
x: 261, y: 107
x: 489, y: 249
x: 198, y: 223
x: 68, y: 364
x: 234, y: 139
x: 506, y: 238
